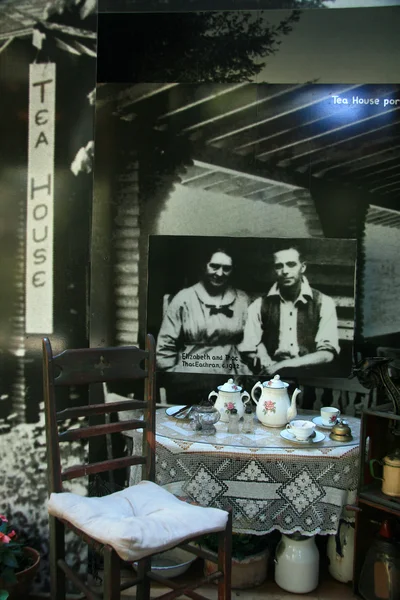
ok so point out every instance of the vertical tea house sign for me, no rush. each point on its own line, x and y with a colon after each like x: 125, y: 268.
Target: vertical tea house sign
x: 40, y: 199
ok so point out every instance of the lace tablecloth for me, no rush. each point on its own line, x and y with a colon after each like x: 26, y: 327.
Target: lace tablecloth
x: 269, y: 482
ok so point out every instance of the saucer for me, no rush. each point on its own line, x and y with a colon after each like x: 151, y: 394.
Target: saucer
x: 172, y: 410
x: 318, y: 422
x: 289, y: 437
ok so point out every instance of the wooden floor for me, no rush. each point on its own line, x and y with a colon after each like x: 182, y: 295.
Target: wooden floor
x: 328, y: 589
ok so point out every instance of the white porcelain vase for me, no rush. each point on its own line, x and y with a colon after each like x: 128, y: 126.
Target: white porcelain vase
x: 297, y: 563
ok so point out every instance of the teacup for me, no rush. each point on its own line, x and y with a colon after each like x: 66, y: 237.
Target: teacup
x: 301, y: 429
x: 329, y: 415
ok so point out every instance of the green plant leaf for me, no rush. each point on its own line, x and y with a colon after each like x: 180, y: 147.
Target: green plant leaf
x: 8, y: 575
x: 4, y: 594
x: 10, y: 560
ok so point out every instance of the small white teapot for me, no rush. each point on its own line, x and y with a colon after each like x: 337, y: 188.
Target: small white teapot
x: 274, y: 408
x: 228, y: 397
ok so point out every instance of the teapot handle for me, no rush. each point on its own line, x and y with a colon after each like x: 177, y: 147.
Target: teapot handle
x: 371, y: 468
x: 257, y: 385
x: 213, y: 393
x: 245, y: 397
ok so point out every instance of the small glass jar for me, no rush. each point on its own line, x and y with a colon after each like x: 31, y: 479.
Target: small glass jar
x: 248, y: 420
x: 233, y: 423
x: 203, y: 418
x: 208, y: 416
x: 194, y: 419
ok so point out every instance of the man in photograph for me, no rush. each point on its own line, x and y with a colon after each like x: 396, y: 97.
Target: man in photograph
x: 293, y: 325
x: 204, y: 323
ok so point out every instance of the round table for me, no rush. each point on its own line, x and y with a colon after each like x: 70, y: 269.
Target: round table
x: 269, y: 482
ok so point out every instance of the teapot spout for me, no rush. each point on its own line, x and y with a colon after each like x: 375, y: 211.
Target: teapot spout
x: 292, y: 410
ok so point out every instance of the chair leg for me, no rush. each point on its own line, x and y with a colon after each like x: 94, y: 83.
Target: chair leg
x: 143, y: 588
x: 57, y: 552
x: 112, y: 574
x: 225, y: 560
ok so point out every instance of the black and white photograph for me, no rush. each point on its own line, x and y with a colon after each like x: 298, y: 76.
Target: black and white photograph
x: 110, y: 6
x: 47, y: 82
x: 224, y: 175
x: 246, y: 306
x: 288, y: 161
x: 234, y: 161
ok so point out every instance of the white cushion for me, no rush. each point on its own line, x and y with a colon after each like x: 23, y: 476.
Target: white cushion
x: 138, y: 521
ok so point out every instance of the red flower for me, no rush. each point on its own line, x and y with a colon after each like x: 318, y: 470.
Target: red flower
x: 4, y: 539
x: 269, y: 405
x: 230, y: 405
x: 3, y: 518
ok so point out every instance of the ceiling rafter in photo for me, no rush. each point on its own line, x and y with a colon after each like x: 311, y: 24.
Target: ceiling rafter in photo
x: 21, y: 19
x: 344, y: 133
x: 221, y: 180
x: 383, y: 216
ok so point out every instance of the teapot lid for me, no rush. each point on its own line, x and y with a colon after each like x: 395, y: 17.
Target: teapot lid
x: 276, y: 382
x: 229, y: 386
x: 393, y: 459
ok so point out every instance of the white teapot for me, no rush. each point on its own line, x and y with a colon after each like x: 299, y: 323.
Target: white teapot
x: 274, y: 407
x: 228, y: 397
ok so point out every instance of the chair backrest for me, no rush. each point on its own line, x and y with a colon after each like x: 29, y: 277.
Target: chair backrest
x: 95, y: 365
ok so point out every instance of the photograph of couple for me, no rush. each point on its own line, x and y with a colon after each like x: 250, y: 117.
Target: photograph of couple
x: 253, y: 309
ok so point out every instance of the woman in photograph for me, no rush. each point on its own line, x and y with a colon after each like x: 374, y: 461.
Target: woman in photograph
x: 204, y: 323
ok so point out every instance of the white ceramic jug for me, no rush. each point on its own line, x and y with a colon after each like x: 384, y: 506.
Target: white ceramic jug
x: 274, y: 407
x: 229, y: 396
x: 297, y: 563
x: 340, y: 551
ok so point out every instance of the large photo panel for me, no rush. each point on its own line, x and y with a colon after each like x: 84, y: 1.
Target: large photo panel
x: 250, y: 160
x: 297, y: 136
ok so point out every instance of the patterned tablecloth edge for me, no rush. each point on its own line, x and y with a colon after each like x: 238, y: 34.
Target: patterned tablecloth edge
x: 177, y: 446
x: 316, y: 531
x: 171, y: 434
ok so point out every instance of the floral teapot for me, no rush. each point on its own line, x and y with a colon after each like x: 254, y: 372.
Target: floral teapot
x: 274, y: 407
x: 229, y: 397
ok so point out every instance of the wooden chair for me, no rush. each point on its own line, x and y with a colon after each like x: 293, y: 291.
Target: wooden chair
x: 148, y: 505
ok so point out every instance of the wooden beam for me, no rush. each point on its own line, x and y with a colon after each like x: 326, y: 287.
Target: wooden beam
x: 292, y: 105
x: 312, y: 147
x: 222, y: 159
x: 373, y: 173
x: 357, y: 159
x: 6, y: 44
x: 95, y: 430
x: 100, y: 409
x: 24, y: 31
x: 101, y: 467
